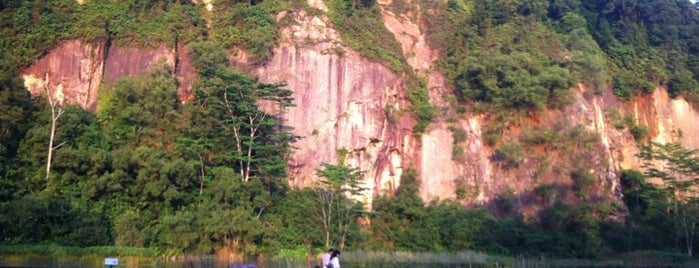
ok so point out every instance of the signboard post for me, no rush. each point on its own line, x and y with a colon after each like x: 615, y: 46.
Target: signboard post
x: 111, y: 262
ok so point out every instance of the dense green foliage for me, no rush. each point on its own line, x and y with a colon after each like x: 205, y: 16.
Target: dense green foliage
x: 492, y: 61
x: 361, y: 28
x: 404, y: 222
x: 148, y: 171
x: 29, y: 28
x: 635, y: 44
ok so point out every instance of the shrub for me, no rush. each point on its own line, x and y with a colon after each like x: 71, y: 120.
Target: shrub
x: 583, y: 182
x: 682, y: 82
x: 458, y: 134
x: 457, y: 153
x: 508, y: 155
x: 639, y: 132
x: 539, y: 136
x: 361, y: 27
x: 460, y: 193
x: 420, y: 107
x: 506, y: 200
x: 251, y: 27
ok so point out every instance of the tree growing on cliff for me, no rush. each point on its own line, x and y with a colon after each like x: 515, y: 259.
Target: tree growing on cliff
x: 679, y: 170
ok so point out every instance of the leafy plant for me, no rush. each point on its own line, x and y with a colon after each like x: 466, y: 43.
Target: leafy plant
x: 508, y: 155
x: 361, y: 28
x: 583, y: 182
x: 639, y: 132
x: 251, y: 27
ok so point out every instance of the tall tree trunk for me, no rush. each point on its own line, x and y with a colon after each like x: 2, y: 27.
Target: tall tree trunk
x: 56, y: 112
x: 201, y: 171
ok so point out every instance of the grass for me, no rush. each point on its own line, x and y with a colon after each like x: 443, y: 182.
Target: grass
x: 56, y: 256
x: 364, y: 31
x: 65, y: 251
x: 413, y: 259
x: 52, y: 255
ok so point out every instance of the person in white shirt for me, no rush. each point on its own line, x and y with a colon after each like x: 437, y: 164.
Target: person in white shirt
x: 335, y: 259
x: 326, y: 257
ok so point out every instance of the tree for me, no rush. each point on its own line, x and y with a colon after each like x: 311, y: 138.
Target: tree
x: 142, y: 110
x: 336, y: 210
x: 647, y: 223
x: 232, y: 101
x: 679, y: 170
x: 233, y: 211
x: 56, y: 112
x: 297, y: 225
x: 403, y: 220
x: 17, y: 115
x: 199, y: 147
x: 236, y: 101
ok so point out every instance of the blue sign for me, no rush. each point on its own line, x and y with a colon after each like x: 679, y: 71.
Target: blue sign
x: 111, y: 261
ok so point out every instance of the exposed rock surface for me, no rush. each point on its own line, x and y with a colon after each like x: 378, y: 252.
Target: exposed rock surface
x: 341, y: 103
x: 73, y: 70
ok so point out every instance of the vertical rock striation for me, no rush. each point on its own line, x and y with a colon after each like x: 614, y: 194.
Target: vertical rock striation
x: 74, y: 71
x: 343, y: 102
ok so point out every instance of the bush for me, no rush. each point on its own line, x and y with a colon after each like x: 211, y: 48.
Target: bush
x: 517, y: 81
x: 457, y: 153
x: 508, y: 155
x: 361, y: 27
x: 506, y: 201
x: 583, y: 182
x: 458, y: 134
x: 539, y: 136
x: 28, y: 29
x: 250, y: 27
x: 547, y: 192
x: 639, y: 132
x: 682, y: 82
x: 420, y: 107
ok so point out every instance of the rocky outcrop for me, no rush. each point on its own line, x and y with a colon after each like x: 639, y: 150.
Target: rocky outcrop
x: 670, y: 120
x: 343, y: 102
x: 74, y: 71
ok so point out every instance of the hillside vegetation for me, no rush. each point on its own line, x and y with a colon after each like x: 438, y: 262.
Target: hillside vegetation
x: 149, y: 171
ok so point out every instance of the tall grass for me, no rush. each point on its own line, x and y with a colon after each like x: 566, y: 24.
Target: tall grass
x: 58, y: 256
x: 412, y: 259
x: 64, y: 256
x: 64, y: 251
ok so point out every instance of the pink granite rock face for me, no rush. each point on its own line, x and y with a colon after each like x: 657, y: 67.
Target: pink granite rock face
x: 123, y: 62
x: 73, y: 71
x: 76, y: 70
x: 343, y: 102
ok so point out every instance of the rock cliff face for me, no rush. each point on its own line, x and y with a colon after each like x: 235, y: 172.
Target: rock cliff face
x: 73, y: 71
x: 344, y: 101
x: 341, y: 103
